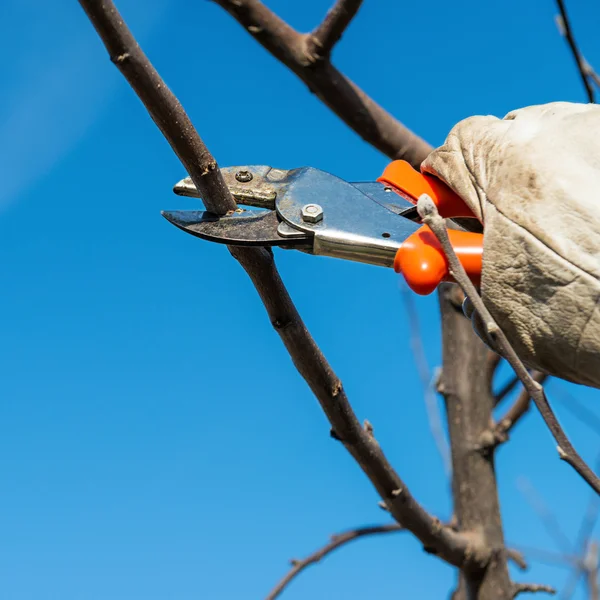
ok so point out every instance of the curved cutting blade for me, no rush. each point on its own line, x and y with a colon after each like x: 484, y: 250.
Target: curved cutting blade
x: 247, y: 228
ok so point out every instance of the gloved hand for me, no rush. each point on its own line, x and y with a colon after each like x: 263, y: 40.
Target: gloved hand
x: 533, y: 180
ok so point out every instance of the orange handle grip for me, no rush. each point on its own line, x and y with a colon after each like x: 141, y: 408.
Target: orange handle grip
x: 400, y: 175
x: 423, y: 263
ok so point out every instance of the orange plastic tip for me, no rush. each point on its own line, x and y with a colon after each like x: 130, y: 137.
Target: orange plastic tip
x: 400, y: 175
x: 423, y: 263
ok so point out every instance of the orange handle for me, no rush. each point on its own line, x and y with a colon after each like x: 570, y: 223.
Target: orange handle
x: 401, y: 176
x: 423, y: 263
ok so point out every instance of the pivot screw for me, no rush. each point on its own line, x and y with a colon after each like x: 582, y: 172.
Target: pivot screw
x: 312, y: 213
x: 243, y: 176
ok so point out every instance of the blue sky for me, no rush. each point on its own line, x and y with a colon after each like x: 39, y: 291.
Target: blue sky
x: 155, y: 439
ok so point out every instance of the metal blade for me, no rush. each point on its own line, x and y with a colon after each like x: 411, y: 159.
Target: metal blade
x: 245, y: 228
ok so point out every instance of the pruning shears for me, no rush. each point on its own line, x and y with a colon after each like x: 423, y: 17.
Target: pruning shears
x: 374, y: 222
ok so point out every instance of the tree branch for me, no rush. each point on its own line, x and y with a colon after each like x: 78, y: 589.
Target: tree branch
x: 161, y: 103
x: 520, y: 588
x: 360, y: 112
x: 564, y: 27
x: 336, y: 542
x: 499, y: 433
x: 328, y: 33
x: 437, y: 538
x: 430, y: 216
x: 548, y: 518
x: 506, y: 389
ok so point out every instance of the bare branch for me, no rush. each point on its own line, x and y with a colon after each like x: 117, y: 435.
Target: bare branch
x: 591, y: 563
x: 437, y: 538
x: 336, y: 542
x: 427, y: 382
x: 161, y: 104
x: 360, y: 112
x: 531, y: 588
x: 328, y: 33
x: 429, y: 213
x: 506, y: 389
x: 568, y: 561
x: 564, y: 27
x: 578, y: 409
x: 517, y: 557
x: 547, y: 517
x: 500, y: 432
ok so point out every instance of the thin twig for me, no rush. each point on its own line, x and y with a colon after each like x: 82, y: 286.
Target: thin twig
x: 360, y: 112
x: 565, y: 28
x: 578, y: 409
x: 547, y: 517
x: 336, y: 542
x: 328, y: 33
x: 429, y: 213
x: 427, y: 381
x: 517, y: 558
x: 506, y: 389
x: 568, y: 561
x: 520, y: 588
x: 166, y: 111
x: 500, y: 432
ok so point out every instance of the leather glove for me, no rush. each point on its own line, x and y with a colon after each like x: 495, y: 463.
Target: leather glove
x: 533, y: 180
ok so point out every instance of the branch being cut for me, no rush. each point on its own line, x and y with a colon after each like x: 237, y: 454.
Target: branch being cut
x: 360, y: 112
x: 336, y: 542
x: 430, y: 216
x: 168, y: 114
x: 161, y: 104
x: 564, y: 26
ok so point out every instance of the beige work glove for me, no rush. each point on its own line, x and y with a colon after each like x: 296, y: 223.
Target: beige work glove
x: 533, y: 180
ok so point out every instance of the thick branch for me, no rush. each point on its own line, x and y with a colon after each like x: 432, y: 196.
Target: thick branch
x: 336, y: 542
x: 429, y: 213
x: 360, y: 112
x: 565, y: 28
x: 465, y: 383
x: 327, y: 34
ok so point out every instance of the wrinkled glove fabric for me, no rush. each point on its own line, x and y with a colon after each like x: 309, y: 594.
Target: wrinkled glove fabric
x: 533, y: 180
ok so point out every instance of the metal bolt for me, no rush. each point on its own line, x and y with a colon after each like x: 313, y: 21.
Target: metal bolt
x: 312, y: 213
x: 243, y: 176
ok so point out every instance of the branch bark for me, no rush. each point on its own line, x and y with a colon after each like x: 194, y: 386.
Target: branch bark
x: 437, y: 538
x: 336, y: 542
x: 465, y: 384
x: 360, y: 112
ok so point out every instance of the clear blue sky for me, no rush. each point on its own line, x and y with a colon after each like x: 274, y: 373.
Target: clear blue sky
x: 155, y: 439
